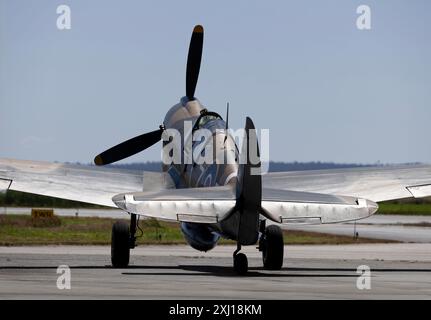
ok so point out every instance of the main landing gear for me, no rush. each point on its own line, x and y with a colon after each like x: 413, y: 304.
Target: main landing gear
x: 123, y: 239
x: 271, y: 245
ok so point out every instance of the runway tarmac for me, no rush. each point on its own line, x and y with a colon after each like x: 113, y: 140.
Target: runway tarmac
x: 400, y: 228
x: 400, y: 271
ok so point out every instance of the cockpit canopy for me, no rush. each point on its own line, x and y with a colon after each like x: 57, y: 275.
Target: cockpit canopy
x: 205, y: 117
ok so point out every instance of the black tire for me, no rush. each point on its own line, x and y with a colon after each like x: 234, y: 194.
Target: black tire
x: 240, y: 263
x: 273, y: 248
x: 120, y: 245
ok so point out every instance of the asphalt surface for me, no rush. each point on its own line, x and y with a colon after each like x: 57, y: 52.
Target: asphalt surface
x: 398, y: 271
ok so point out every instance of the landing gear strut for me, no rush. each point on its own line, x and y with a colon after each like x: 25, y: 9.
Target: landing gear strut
x: 240, y: 263
x: 272, y: 246
x: 123, y: 239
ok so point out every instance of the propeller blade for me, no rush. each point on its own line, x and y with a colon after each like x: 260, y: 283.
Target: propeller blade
x: 194, y: 61
x: 129, y: 147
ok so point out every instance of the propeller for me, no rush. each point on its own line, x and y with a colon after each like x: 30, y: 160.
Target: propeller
x: 129, y: 148
x: 146, y: 140
x: 194, y: 61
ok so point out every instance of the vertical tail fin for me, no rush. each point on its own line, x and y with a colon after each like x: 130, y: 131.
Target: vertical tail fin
x: 249, y: 187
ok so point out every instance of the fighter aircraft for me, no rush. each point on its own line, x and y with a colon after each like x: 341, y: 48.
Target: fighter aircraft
x: 214, y: 200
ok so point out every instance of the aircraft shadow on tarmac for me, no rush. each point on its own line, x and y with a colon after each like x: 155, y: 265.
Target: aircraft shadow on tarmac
x: 224, y: 271
x: 227, y: 271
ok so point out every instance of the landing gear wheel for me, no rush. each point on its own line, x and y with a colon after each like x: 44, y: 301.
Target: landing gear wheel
x: 240, y: 263
x: 272, y: 247
x: 120, y: 245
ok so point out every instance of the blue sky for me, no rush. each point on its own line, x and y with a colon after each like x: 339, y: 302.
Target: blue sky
x: 326, y: 90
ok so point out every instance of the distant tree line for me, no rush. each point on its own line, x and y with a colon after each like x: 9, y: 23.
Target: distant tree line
x: 273, y: 166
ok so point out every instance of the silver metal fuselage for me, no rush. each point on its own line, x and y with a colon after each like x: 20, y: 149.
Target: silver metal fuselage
x: 197, y: 173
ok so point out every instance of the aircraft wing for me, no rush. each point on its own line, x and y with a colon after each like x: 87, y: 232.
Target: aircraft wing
x: 199, y: 205
x: 321, y: 196
x: 373, y: 183
x: 215, y: 204
x: 296, y: 207
x: 88, y: 184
